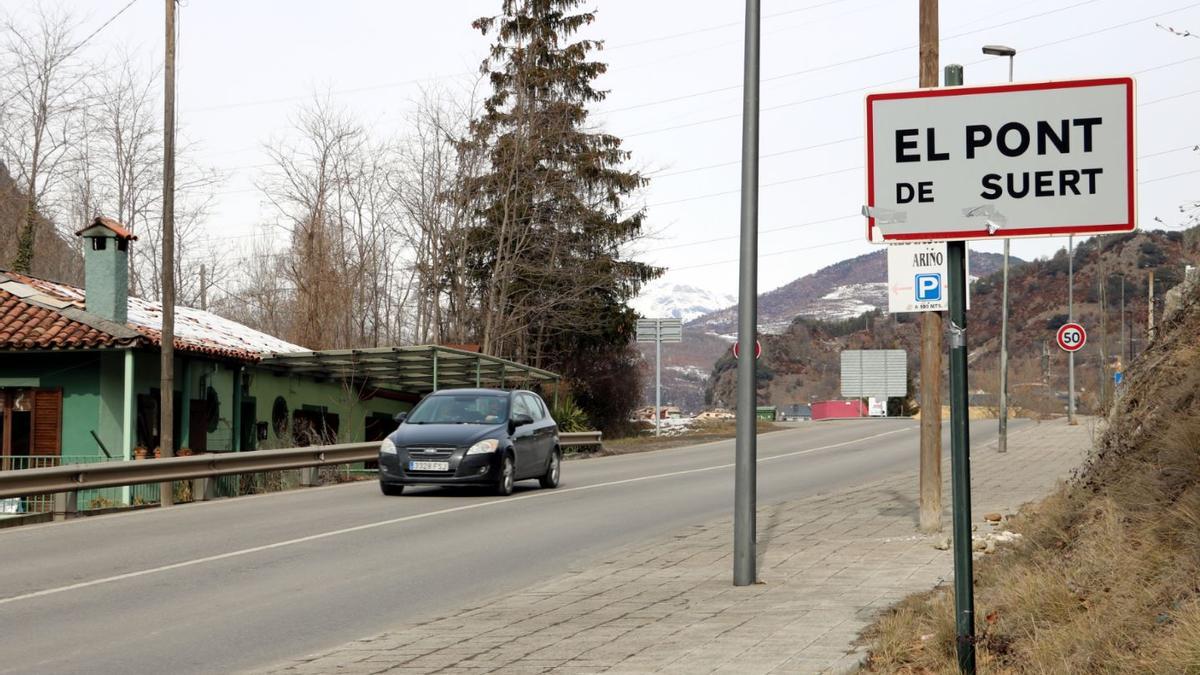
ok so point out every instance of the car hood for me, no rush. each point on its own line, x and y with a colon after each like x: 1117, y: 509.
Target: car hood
x: 446, y: 434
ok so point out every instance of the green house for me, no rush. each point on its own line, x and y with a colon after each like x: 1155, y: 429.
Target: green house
x: 80, y: 373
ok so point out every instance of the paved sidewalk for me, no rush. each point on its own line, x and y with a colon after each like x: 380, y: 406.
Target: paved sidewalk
x: 827, y: 565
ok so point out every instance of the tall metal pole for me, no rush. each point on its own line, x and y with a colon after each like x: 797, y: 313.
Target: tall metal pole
x: 166, y: 417
x: 1002, y: 440
x: 960, y: 440
x: 930, y: 480
x: 657, y: 377
x: 1071, y: 317
x: 745, y: 496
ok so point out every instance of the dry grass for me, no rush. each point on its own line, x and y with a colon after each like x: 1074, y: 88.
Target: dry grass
x: 1107, y: 579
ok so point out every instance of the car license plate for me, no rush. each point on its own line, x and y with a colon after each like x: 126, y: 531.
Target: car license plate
x: 429, y: 466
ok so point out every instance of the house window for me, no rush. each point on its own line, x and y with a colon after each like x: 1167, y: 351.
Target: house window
x: 312, y: 425
x: 99, y: 243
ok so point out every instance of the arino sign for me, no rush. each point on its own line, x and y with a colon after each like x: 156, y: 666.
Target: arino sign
x: 1003, y: 161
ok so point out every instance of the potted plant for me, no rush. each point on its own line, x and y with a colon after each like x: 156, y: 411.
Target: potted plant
x: 139, y: 452
x: 157, y: 452
x: 186, y: 452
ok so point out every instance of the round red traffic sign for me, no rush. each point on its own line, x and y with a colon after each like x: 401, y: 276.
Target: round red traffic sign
x: 1071, y: 337
x: 757, y: 350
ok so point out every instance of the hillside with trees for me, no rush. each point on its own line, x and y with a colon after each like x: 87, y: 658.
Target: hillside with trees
x: 803, y: 363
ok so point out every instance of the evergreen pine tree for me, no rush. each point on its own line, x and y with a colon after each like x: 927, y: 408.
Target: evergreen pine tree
x: 546, y: 247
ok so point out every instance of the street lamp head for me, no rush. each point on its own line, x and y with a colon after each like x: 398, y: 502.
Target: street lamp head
x: 999, y: 50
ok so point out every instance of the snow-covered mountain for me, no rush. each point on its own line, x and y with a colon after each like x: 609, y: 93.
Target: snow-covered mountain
x: 661, y: 298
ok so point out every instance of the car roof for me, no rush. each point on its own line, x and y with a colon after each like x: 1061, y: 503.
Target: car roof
x: 474, y: 392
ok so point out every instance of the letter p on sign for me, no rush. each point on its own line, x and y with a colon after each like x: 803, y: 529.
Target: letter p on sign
x: 928, y: 287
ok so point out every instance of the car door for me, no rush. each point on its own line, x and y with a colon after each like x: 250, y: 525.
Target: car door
x: 547, y: 428
x: 543, y: 433
x: 524, y: 437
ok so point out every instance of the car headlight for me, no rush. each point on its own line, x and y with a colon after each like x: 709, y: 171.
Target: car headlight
x: 387, y: 447
x: 484, y: 447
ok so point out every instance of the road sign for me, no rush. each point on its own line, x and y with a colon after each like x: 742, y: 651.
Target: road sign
x: 660, y: 330
x: 757, y: 350
x: 874, y: 372
x: 1003, y: 161
x: 1071, y: 337
x: 917, y: 276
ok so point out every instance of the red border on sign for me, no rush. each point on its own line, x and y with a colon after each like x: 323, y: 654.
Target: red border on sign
x: 1064, y: 328
x: 1131, y: 175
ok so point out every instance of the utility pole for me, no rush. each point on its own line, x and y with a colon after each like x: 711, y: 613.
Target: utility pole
x: 203, y: 289
x: 166, y: 415
x: 1045, y: 363
x: 1002, y: 439
x: 1102, y: 282
x: 1071, y: 317
x: 930, y: 481
x: 1150, y: 309
x: 960, y: 444
x: 1124, y: 353
x: 745, y: 491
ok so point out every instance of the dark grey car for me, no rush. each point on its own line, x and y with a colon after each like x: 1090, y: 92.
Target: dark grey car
x: 486, y: 437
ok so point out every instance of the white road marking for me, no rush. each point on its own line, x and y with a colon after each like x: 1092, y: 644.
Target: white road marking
x: 417, y: 516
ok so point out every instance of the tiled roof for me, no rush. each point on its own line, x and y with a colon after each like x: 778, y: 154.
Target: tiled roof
x: 24, y: 325
x: 42, y: 314
x: 116, y: 228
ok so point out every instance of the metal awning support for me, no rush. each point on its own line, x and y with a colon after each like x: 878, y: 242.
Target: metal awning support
x: 434, y: 354
x: 417, y: 369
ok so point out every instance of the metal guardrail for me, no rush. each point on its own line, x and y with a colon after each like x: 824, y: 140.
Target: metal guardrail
x: 578, y: 438
x: 70, y: 478
x: 73, y: 477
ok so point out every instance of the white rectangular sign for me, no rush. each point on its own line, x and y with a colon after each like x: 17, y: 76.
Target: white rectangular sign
x: 918, y: 278
x: 874, y: 372
x: 1017, y: 160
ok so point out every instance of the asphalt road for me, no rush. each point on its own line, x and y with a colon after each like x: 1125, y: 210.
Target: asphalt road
x: 248, y: 582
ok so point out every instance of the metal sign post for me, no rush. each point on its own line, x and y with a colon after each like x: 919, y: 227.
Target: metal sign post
x: 960, y: 444
x: 659, y: 331
x: 745, y: 482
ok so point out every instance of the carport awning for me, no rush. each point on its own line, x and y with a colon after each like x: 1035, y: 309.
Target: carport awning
x: 417, y: 369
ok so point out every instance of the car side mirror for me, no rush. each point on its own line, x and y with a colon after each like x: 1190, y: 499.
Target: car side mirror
x: 521, y: 419
x: 400, y: 417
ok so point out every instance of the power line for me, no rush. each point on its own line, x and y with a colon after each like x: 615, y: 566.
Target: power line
x: 835, y: 64
x: 856, y: 90
x: 102, y: 27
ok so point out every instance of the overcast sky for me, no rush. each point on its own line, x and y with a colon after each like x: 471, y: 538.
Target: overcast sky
x: 674, y: 77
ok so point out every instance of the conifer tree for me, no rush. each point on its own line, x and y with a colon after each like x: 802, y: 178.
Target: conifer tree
x: 551, y: 215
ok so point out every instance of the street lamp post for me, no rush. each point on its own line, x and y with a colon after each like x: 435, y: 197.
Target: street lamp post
x: 1002, y: 441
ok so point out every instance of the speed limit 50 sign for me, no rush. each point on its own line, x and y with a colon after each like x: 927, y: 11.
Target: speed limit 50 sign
x: 1072, y: 337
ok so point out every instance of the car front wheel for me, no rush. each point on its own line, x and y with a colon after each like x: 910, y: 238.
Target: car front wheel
x: 504, y: 487
x: 549, y: 480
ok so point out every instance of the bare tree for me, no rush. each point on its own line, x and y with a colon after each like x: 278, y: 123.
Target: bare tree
x: 41, y: 80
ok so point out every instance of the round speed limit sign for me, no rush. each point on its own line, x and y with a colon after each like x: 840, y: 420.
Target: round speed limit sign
x: 1072, y: 337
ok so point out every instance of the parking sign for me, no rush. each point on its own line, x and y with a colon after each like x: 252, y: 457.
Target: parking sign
x: 928, y: 287
x: 917, y: 277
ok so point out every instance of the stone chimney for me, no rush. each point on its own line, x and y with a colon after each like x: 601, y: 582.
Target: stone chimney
x: 106, y: 268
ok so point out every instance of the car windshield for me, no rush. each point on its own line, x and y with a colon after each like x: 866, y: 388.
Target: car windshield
x: 460, y: 409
